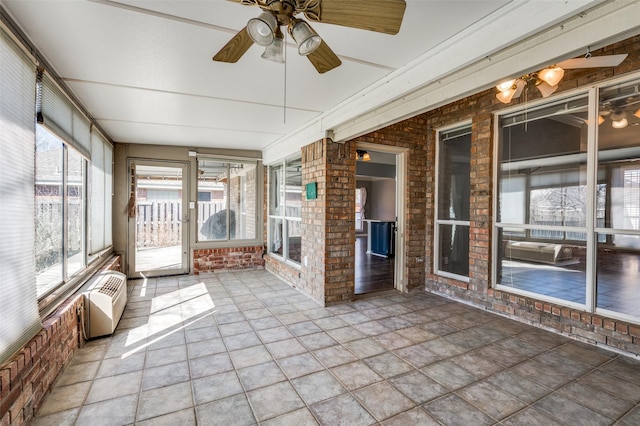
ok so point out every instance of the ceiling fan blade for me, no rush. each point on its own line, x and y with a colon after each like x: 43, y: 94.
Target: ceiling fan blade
x: 383, y: 16
x: 235, y: 48
x: 323, y: 58
x: 593, y: 62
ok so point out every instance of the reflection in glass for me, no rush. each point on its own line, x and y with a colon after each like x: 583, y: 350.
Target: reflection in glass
x: 454, y: 178
x: 49, y: 201
x: 542, y: 200
x: 618, y: 218
x: 294, y: 234
x: 618, y: 278
x: 454, y: 249
x: 549, y: 268
x: 276, y: 244
x: 226, y: 200
x: 75, y: 212
x: 285, y: 209
x: 276, y: 191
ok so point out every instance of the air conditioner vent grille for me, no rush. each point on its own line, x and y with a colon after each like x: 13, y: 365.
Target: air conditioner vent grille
x: 111, y: 287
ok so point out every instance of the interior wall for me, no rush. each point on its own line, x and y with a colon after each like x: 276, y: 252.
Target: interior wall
x: 383, y: 200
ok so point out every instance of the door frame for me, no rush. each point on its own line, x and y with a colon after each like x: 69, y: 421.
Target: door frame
x: 400, y: 269
x: 131, y: 222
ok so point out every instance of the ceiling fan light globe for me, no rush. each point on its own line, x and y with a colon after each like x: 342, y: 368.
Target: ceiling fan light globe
x: 505, y: 85
x: 309, y: 45
x: 620, y: 124
x: 306, y: 38
x: 618, y: 115
x: 261, y: 29
x: 506, y: 95
x: 546, y: 89
x: 551, y: 76
x: 275, y: 51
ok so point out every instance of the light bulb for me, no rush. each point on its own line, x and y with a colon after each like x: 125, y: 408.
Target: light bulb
x: 551, y: 76
x: 620, y: 124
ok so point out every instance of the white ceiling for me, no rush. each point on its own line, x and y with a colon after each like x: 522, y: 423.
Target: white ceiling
x: 143, y: 68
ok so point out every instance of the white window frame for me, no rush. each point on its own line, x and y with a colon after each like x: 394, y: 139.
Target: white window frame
x: 592, y: 230
x: 438, y: 222
x: 283, y: 217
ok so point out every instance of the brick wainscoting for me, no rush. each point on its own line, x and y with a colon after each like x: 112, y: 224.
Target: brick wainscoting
x: 227, y: 259
x: 28, y: 375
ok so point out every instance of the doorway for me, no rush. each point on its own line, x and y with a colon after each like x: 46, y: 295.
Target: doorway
x: 379, y: 219
x: 158, y: 242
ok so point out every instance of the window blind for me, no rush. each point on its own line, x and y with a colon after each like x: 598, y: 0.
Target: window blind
x: 100, y: 194
x: 57, y: 113
x: 19, y: 317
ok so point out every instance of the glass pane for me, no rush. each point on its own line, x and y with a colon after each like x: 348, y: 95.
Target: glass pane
x: 158, y: 218
x: 549, y: 268
x: 75, y: 211
x: 617, y: 275
x: 454, y: 178
x: 48, y: 214
x: 513, y: 199
x: 454, y: 249
x: 213, y: 179
x: 542, y: 166
x: 275, y: 236
x: 294, y: 234
x: 276, y: 191
x: 242, y: 198
x: 618, y: 155
x: 294, y: 188
x: 559, y: 206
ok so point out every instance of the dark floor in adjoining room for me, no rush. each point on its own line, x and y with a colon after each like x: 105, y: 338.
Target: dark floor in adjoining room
x: 372, y: 273
x: 245, y: 348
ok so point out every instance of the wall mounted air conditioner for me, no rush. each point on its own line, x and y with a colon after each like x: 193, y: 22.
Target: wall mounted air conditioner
x: 105, y: 298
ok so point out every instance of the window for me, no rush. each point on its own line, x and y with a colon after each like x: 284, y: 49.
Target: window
x: 618, y: 229
x: 55, y: 175
x: 557, y: 208
x: 227, y: 204
x: 285, y: 210
x: 361, y: 201
x: 452, y: 222
x: 60, y: 211
x: 73, y: 182
x: 542, y: 202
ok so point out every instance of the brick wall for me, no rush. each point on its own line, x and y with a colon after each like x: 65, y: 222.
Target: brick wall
x: 227, y: 259
x: 28, y: 375
x: 339, y: 227
x: 410, y: 134
x: 288, y: 273
x: 314, y: 213
x: 327, y: 221
x: 479, y: 108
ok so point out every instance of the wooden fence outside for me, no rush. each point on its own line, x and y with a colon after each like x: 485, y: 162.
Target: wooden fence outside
x: 159, y: 223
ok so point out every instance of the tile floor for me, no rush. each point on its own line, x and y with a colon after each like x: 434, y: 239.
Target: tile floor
x: 245, y: 348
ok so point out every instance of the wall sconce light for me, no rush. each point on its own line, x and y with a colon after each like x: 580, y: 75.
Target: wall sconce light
x: 362, y: 155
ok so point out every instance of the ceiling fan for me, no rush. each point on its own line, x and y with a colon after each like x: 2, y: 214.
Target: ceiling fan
x: 546, y: 80
x: 384, y: 16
